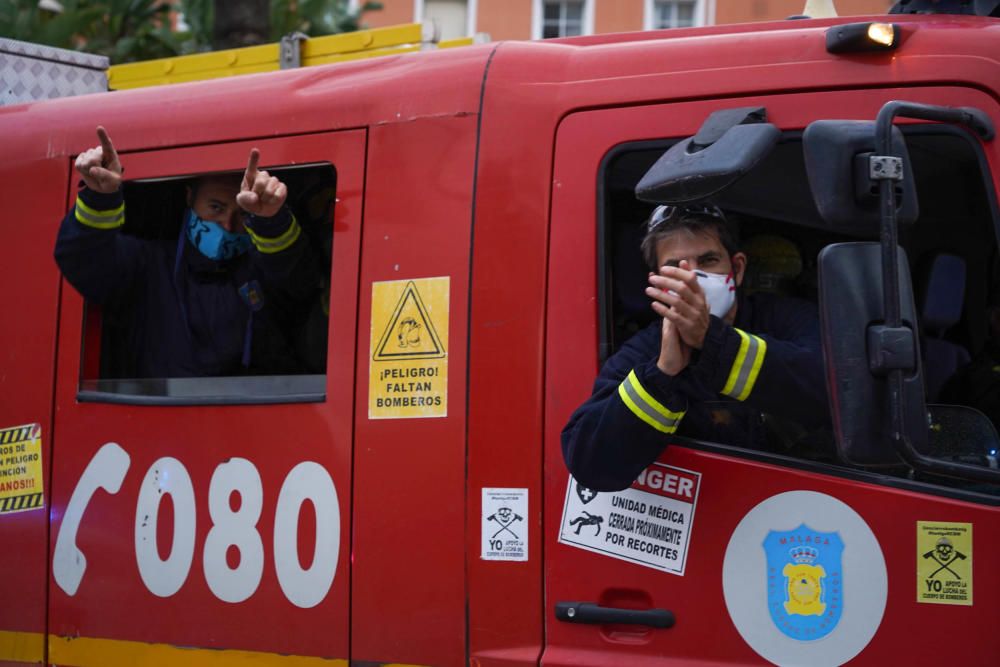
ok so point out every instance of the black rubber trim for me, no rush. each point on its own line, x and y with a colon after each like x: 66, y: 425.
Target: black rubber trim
x: 838, y: 471
x: 88, y: 396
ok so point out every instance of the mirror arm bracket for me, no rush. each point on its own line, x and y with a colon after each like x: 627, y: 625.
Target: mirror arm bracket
x: 885, y: 167
x: 891, y: 348
x: 889, y: 338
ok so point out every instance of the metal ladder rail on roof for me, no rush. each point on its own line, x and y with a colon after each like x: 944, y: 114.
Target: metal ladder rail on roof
x: 295, y: 50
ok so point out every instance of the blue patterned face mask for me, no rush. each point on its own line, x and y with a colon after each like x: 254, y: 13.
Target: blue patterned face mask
x: 212, y: 240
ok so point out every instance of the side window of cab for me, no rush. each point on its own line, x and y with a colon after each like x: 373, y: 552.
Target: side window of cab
x: 953, y: 260
x: 780, y: 245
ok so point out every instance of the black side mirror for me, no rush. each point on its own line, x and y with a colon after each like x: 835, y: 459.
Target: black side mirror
x: 728, y: 145
x: 885, y: 396
x: 851, y: 307
x: 837, y: 156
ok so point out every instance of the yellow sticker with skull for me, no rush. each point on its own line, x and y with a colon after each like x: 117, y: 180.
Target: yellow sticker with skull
x: 944, y: 562
x: 408, y: 371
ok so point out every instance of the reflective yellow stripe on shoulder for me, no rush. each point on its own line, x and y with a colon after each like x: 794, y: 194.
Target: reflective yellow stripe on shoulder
x: 647, y: 408
x: 268, y: 246
x: 91, y: 217
x: 746, y: 368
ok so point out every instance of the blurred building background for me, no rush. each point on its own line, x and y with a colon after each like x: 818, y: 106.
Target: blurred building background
x: 534, y: 19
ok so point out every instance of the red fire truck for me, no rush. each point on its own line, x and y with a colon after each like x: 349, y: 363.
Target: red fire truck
x: 406, y: 502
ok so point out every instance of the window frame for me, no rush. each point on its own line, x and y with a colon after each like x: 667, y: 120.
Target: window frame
x: 649, y: 14
x: 538, y: 18
x: 471, y: 14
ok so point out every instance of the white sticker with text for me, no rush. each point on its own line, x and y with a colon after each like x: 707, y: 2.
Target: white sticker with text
x: 505, y: 524
x: 648, y: 523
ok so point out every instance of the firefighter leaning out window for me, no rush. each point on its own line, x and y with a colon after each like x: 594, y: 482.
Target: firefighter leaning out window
x: 712, y: 364
x: 211, y: 303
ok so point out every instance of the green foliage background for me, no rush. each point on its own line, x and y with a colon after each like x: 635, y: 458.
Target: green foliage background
x: 131, y: 30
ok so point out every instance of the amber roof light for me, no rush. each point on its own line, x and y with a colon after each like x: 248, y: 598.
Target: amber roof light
x: 862, y: 37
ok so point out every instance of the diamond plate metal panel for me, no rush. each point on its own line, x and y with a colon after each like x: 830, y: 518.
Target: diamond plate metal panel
x: 30, y: 72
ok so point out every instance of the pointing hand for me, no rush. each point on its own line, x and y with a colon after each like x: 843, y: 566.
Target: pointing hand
x: 261, y: 194
x: 100, y: 168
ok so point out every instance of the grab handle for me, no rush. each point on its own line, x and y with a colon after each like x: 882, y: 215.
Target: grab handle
x: 588, y: 612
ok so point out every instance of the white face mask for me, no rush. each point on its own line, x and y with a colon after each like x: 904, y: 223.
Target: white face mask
x: 720, y: 291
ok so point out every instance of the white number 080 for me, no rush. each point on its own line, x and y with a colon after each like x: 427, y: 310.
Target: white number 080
x: 230, y: 528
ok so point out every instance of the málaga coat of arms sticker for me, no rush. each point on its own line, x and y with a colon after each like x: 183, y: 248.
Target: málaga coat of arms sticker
x: 805, y: 592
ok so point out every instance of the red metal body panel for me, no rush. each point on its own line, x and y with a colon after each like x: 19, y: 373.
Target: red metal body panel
x: 273, y: 438
x: 506, y: 363
x: 479, y: 164
x: 349, y: 95
x: 27, y: 369
x: 442, y: 88
x: 409, y: 585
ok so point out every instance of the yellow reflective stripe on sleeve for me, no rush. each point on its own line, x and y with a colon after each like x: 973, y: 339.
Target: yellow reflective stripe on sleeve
x: 647, y: 408
x: 91, y: 217
x: 741, y: 356
x: 268, y: 246
x: 746, y: 368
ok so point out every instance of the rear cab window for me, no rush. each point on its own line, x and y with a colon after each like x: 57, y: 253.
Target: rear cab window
x: 291, y: 361
x: 281, y: 356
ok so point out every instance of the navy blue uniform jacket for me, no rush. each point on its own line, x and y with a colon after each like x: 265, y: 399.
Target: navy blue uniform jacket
x: 184, y: 315
x: 768, y: 361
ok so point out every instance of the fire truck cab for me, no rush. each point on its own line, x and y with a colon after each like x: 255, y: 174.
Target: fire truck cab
x: 403, y: 499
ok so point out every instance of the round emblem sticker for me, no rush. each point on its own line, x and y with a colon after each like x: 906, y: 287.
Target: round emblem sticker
x: 804, y: 580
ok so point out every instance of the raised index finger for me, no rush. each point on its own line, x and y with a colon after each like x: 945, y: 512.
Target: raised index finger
x: 108, y: 148
x: 250, y: 175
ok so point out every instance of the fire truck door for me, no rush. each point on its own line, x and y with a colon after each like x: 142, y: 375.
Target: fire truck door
x: 212, y: 513
x: 26, y: 412
x: 717, y: 554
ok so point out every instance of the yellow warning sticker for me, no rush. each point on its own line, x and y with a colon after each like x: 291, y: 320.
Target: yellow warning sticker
x: 21, y: 468
x: 408, y: 372
x: 944, y: 562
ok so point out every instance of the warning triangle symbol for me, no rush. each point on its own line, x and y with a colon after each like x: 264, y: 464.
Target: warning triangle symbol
x: 410, y: 333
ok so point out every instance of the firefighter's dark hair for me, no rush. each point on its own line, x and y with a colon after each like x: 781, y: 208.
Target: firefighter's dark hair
x: 667, y: 220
